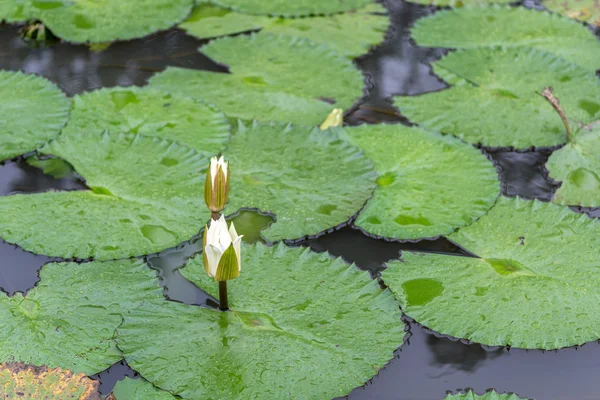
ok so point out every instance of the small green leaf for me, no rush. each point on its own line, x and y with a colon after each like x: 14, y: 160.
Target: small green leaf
x: 491, y: 395
x: 292, y: 7
x: 139, y: 389
x: 583, y: 10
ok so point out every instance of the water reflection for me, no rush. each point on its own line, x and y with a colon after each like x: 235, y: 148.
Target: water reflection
x: 20, y: 177
x: 110, y: 376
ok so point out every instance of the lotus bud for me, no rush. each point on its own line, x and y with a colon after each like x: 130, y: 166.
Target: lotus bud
x: 222, y: 248
x: 335, y: 118
x: 216, y: 186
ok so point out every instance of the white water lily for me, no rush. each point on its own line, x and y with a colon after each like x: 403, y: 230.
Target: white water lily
x: 216, y: 186
x: 222, y: 250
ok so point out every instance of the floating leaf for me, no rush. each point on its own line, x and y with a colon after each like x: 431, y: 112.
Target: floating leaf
x: 428, y: 184
x: 535, y: 287
x: 69, y: 319
x: 302, y: 325
x: 19, y: 380
x: 292, y: 7
x: 33, y: 112
x: 495, y: 98
x: 146, y: 196
x: 350, y: 33
x: 510, y: 26
x: 459, y: 3
x: 309, y: 179
x: 491, y: 395
x: 582, y: 10
x: 15, y: 10
x: 577, y: 166
x: 275, y: 78
x: 151, y: 113
x: 139, y: 389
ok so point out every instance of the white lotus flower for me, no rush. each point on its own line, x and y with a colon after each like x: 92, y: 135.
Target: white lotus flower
x: 222, y: 250
x: 216, y: 186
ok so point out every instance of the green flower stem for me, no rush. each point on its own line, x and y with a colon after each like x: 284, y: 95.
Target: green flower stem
x: 223, y: 301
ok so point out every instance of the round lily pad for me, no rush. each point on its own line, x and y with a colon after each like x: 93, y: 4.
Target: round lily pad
x: 146, y: 195
x: 582, y: 10
x: 506, y: 26
x: 491, y: 395
x: 19, y: 380
x: 69, y: 319
x: 309, y: 179
x: 302, y: 325
x: 495, y: 97
x: 292, y: 7
x: 273, y: 78
x: 139, y: 389
x: 535, y: 287
x: 34, y: 111
x: 577, y: 166
x: 184, y: 120
x: 428, y: 184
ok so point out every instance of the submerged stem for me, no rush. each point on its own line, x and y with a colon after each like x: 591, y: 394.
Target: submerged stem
x: 553, y: 100
x: 223, y: 301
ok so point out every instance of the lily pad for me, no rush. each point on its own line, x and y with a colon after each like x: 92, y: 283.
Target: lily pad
x: 535, y: 287
x: 69, y: 319
x: 459, y: 3
x: 491, y: 395
x: 34, y: 110
x: 582, y: 10
x: 494, y: 99
x: 577, y: 166
x: 351, y: 33
x: 15, y: 10
x: 309, y: 179
x: 292, y: 7
x: 423, y: 189
x: 139, y: 389
x: 506, y: 26
x: 307, y: 334
x: 273, y: 78
x: 145, y: 196
x: 151, y: 113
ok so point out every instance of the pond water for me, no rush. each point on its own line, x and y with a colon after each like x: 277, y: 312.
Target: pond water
x: 428, y: 364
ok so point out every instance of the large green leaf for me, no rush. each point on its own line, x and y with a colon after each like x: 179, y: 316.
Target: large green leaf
x: 510, y: 26
x: 459, y: 3
x: 577, y: 166
x: 146, y: 195
x: 536, y: 285
x: 495, y: 98
x: 491, y: 395
x: 139, y: 389
x: 302, y: 325
x: 428, y: 184
x: 582, y: 10
x: 32, y: 111
x: 276, y: 78
x: 142, y: 111
x: 15, y: 10
x: 350, y: 33
x: 293, y: 7
x: 310, y: 179
x: 69, y: 319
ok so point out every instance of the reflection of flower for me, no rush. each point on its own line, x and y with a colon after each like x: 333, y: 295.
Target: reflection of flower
x: 222, y: 247
x: 216, y: 186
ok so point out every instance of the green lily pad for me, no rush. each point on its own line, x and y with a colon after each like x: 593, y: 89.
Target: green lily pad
x: 491, y: 395
x: 139, y: 389
x: 151, y: 113
x: 535, y: 287
x: 351, y: 33
x: 15, y: 10
x: 302, y: 325
x: 494, y: 99
x: 273, y: 78
x: 459, y: 3
x: 33, y: 111
x: 292, y: 7
x: 423, y: 189
x: 146, y: 195
x: 582, y: 10
x: 506, y: 26
x: 69, y: 319
x: 309, y: 179
x: 577, y: 166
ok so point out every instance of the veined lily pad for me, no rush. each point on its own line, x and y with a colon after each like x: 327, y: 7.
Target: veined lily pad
x: 582, y: 10
x: 310, y: 179
x: 428, y: 184
x: 307, y: 334
x: 577, y: 165
x: 22, y: 381
x: 350, y: 33
x: 278, y: 78
x: 494, y: 99
x: 139, y: 389
x: 293, y: 7
x: 32, y: 111
x: 510, y: 26
x: 69, y: 319
x: 491, y: 395
x: 535, y: 287
x: 146, y: 196
x: 151, y: 113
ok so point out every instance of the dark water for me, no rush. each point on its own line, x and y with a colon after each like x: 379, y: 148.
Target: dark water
x: 428, y: 365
